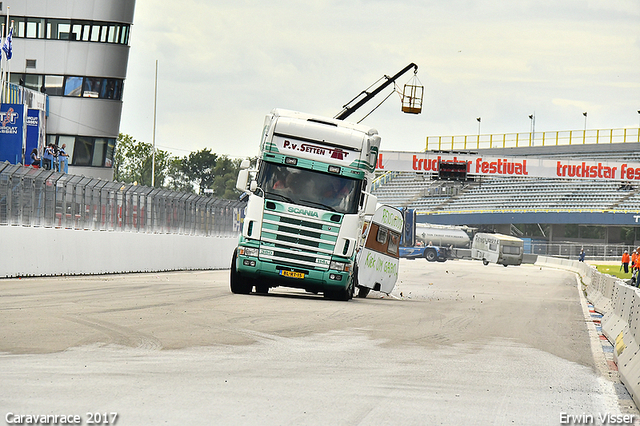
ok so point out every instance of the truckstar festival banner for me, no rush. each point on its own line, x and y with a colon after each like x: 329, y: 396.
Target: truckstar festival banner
x: 511, y: 166
x: 11, y: 132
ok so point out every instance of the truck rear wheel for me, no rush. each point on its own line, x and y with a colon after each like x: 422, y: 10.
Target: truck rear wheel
x: 485, y: 262
x: 238, y: 284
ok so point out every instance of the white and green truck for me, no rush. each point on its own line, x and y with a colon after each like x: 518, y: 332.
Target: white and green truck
x: 304, y: 224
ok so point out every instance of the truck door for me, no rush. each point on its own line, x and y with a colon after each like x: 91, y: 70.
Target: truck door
x: 378, y: 259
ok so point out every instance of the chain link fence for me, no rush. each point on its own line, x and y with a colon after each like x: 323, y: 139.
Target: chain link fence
x: 37, y: 197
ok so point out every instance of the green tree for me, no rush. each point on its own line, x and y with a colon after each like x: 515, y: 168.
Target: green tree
x: 226, y: 174
x: 177, y: 180
x: 198, y: 167
x: 133, y: 162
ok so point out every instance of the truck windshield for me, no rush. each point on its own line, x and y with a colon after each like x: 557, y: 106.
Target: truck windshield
x: 310, y: 188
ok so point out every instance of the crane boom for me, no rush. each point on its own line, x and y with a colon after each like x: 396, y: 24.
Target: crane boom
x: 347, y: 110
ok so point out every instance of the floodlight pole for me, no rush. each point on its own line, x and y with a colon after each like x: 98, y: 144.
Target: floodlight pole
x: 532, y: 117
x: 153, y: 154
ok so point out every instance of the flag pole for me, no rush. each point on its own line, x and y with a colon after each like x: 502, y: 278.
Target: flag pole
x: 9, y: 33
x: 153, y: 155
x: 2, y: 66
x: 5, y: 75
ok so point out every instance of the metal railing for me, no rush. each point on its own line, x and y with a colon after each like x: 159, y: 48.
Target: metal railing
x: 36, y: 197
x: 593, y: 251
x: 382, y: 179
x: 555, y: 138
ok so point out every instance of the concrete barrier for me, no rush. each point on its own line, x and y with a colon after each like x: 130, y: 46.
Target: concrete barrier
x: 28, y: 251
x: 620, y: 305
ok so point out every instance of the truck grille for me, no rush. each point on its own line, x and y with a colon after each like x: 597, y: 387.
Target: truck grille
x: 299, y: 242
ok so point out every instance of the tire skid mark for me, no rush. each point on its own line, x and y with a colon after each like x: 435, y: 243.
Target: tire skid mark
x: 120, y: 335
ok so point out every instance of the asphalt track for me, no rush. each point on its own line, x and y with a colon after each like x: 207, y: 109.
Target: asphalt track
x: 457, y: 343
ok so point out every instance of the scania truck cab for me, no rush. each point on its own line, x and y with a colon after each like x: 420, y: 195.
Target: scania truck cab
x: 306, y: 206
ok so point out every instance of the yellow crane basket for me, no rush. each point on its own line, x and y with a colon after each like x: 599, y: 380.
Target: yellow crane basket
x: 412, y: 96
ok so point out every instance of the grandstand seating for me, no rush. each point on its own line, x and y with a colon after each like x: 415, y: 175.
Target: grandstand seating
x: 424, y: 193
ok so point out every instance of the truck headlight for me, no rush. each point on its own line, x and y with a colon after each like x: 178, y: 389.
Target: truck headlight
x: 249, y: 251
x: 339, y: 266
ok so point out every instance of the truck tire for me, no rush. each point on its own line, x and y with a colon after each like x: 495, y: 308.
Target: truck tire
x: 431, y: 255
x: 363, y: 292
x: 262, y: 288
x: 485, y: 262
x: 238, y: 284
x: 342, y: 294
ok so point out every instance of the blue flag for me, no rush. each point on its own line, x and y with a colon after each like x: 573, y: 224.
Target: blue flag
x: 7, y: 47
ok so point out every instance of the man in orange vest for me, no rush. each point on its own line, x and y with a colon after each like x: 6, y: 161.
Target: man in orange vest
x: 625, y: 261
x: 635, y: 266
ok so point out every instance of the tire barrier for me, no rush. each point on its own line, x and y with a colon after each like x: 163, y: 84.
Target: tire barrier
x: 619, y: 303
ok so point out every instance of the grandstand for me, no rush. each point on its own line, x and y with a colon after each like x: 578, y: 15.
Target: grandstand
x: 499, y: 203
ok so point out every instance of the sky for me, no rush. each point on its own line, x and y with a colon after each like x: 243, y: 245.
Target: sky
x: 224, y: 64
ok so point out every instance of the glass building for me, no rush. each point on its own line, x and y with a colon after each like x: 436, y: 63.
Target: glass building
x: 75, y: 51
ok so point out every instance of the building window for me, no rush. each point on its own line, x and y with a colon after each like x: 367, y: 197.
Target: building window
x: 18, y: 26
x: 111, y: 147
x: 73, y: 86
x: 58, y: 29
x: 53, y: 85
x: 33, y: 81
x: 83, y: 151
x: 86, y: 150
x: 67, y: 29
x: 69, y: 141
x: 99, y: 147
x: 35, y: 28
x: 92, y: 87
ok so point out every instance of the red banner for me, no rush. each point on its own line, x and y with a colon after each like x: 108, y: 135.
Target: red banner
x: 530, y: 166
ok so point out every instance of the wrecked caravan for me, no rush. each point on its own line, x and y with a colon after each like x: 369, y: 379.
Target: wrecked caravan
x: 497, y: 248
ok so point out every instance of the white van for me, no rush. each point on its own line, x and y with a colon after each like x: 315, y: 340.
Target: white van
x: 497, y: 248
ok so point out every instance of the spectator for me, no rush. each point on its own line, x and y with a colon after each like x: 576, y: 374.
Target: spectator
x: 581, y: 257
x: 47, y: 157
x: 635, y: 266
x: 35, y: 160
x: 625, y: 261
x: 64, y: 159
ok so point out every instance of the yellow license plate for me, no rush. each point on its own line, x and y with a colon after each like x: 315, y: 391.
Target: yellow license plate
x: 292, y: 274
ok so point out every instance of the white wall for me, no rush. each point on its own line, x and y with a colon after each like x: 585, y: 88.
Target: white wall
x: 26, y: 251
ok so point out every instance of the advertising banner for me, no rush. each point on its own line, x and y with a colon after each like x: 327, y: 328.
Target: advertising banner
x: 531, y: 166
x: 11, y: 133
x: 34, y: 133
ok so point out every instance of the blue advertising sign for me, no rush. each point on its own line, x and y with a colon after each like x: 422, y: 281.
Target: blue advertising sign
x: 33, y: 131
x: 11, y: 132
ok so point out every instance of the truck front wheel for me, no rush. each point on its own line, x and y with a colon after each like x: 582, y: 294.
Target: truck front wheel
x: 431, y: 255
x: 342, y: 294
x: 238, y: 284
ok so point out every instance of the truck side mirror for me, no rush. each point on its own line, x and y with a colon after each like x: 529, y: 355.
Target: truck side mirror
x: 245, y: 164
x: 370, y: 204
x: 243, y: 178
